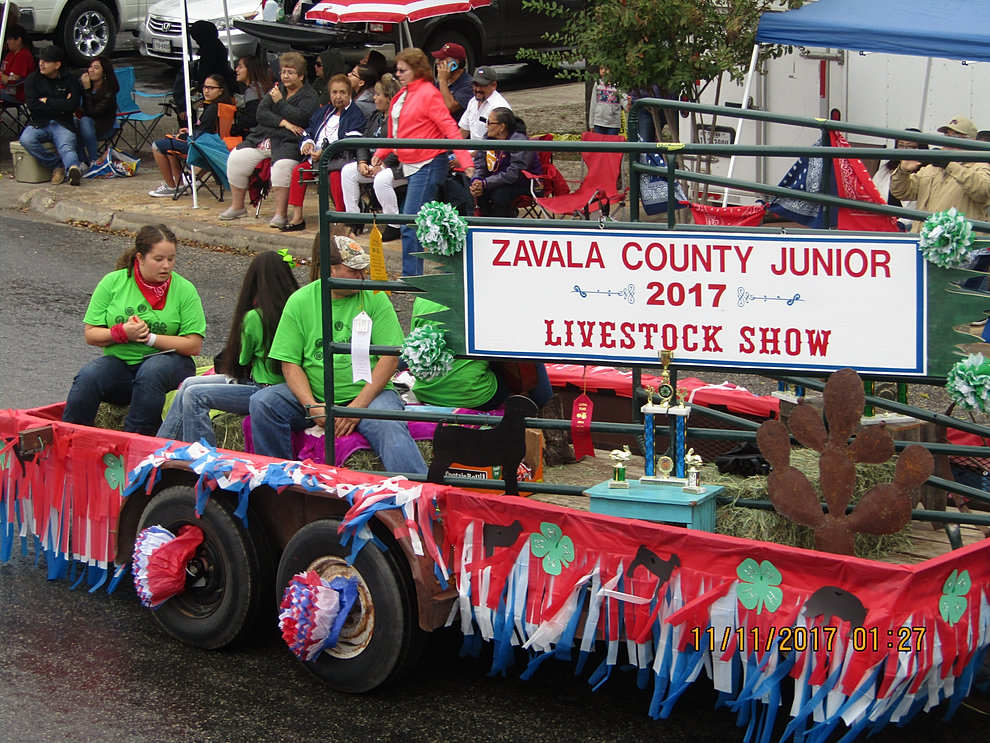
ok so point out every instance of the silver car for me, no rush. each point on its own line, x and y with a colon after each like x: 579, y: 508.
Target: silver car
x: 161, y: 33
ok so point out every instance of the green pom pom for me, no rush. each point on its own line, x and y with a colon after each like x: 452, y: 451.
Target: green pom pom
x: 441, y: 229
x: 968, y: 383
x: 425, y: 352
x: 946, y: 238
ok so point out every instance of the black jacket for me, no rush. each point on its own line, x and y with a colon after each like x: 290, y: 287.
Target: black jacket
x: 63, y: 96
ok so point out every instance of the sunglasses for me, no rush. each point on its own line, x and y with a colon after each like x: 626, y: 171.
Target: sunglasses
x: 319, y: 63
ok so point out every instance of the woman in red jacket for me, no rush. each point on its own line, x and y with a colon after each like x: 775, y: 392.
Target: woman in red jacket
x: 418, y: 112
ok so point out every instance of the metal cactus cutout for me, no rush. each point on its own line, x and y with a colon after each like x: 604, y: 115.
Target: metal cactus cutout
x: 883, y: 509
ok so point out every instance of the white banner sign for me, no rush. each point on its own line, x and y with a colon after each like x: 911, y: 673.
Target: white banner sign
x: 801, y: 302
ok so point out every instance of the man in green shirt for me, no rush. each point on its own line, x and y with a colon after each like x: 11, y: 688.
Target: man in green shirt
x: 278, y: 410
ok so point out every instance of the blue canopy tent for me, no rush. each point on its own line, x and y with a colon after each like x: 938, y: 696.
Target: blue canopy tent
x: 950, y: 29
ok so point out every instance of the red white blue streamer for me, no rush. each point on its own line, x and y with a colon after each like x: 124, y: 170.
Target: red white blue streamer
x: 314, y: 611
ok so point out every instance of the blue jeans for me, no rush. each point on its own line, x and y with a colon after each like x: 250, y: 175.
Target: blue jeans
x: 276, y: 413
x: 422, y: 187
x: 142, y: 386
x: 189, y: 417
x: 88, y: 148
x: 33, y: 140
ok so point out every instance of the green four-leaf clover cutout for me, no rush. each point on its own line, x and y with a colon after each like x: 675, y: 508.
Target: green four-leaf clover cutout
x: 114, y: 472
x: 759, y: 585
x: 556, y: 549
x: 952, y: 605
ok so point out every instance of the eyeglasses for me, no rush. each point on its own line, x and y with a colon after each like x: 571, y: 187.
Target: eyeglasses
x: 211, y: 87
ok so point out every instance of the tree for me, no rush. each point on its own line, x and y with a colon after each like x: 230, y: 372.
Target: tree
x: 679, y: 46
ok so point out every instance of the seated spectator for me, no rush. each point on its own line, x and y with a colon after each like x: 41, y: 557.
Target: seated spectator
x: 99, y: 105
x: 244, y: 367
x: 298, y: 404
x: 214, y: 92
x: 327, y: 64
x: 338, y: 119
x: 473, y: 123
x: 52, y: 95
x: 385, y: 176
x: 377, y: 61
x: 136, y: 312
x: 471, y: 383
x: 363, y: 78
x: 252, y: 73
x: 18, y: 63
x: 498, y: 174
x: 212, y: 59
x: 453, y: 79
x: 282, y: 117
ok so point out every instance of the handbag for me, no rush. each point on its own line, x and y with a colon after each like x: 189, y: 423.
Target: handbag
x: 114, y: 164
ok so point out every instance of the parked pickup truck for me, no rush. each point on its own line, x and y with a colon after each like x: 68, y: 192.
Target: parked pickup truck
x: 83, y: 28
x: 489, y: 34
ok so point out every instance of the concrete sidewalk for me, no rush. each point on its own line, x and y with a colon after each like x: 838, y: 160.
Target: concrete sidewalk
x: 124, y: 203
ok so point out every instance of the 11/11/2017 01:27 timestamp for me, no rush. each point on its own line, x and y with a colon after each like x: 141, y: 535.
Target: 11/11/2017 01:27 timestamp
x: 800, y: 639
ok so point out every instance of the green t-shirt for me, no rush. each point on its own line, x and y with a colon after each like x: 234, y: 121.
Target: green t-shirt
x: 470, y: 382
x: 299, y: 338
x: 117, y: 297
x: 254, y: 355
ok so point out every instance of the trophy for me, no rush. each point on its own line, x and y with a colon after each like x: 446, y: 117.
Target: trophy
x: 667, y: 393
x: 619, y: 459
x: 694, y: 468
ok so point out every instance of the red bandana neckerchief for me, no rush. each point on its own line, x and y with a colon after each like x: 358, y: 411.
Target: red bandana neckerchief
x: 156, y: 294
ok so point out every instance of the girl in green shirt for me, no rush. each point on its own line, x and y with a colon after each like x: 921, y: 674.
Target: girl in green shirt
x: 149, y: 322
x: 243, y: 367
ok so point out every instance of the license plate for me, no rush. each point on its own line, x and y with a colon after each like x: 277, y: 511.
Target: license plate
x: 162, y: 46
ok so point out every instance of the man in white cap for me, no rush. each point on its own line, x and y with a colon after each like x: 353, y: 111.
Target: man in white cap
x: 474, y: 122
x: 941, y: 186
x: 360, y: 317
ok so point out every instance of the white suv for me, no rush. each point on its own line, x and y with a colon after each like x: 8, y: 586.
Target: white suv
x: 83, y: 28
x: 161, y: 33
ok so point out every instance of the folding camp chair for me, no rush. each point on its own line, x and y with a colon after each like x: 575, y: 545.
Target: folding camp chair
x: 134, y: 122
x: 13, y: 116
x: 205, y: 164
x: 225, y: 114
x: 598, y: 190
x: 549, y: 182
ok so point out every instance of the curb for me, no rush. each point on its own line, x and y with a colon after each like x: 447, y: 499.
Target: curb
x: 43, y: 200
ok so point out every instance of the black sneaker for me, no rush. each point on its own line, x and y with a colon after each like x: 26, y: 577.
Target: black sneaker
x: 75, y: 175
x: 390, y: 234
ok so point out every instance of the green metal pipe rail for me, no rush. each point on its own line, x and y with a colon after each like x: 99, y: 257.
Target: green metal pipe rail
x: 971, y: 151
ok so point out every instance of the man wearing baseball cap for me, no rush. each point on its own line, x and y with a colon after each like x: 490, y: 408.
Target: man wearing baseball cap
x: 452, y: 77
x: 52, y: 95
x: 943, y: 185
x: 474, y: 122
x: 360, y: 317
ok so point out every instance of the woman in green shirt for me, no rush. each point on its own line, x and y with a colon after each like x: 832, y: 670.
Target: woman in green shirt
x: 149, y: 322
x: 244, y: 366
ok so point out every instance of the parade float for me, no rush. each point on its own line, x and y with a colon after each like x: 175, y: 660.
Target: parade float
x: 363, y: 565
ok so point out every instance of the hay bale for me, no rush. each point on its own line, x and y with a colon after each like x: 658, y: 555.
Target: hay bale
x: 367, y: 461
x: 769, y: 526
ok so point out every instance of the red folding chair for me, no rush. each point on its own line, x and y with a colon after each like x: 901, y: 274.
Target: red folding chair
x: 550, y: 182
x: 598, y: 190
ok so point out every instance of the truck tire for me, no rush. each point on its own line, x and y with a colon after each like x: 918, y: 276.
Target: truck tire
x: 441, y: 37
x: 86, y: 30
x: 230, y: 578
x: 381, y: 638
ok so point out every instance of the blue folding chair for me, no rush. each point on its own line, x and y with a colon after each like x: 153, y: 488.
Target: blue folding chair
x: 132, y: 121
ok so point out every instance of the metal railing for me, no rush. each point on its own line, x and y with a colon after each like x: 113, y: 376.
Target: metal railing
x: 745, y: 429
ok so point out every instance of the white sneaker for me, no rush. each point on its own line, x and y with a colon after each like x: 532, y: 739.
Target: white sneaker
x: 163, y: 191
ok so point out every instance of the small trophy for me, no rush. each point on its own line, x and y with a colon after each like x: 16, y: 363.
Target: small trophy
x: 694, y: 463
x: 619, y: 459
x: 666, y: 389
